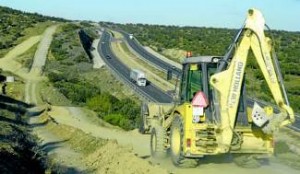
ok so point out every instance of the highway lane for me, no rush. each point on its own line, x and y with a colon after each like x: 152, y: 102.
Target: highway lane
x: 150, y: 90
x: 134, y: 44
x: 148, y: 56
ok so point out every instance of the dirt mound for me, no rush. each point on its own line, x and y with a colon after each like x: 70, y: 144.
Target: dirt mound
x: 99, y: 155
x: 112, y: 158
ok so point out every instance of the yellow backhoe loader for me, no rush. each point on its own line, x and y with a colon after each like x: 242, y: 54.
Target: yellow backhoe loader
x: 212, y: 115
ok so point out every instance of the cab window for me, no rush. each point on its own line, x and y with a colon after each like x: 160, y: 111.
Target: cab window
x: 191, y: 82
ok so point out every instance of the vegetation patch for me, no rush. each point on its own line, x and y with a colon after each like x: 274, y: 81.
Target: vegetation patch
x: 26, y: 59
x: 17, y: 26
x: 51, y: 95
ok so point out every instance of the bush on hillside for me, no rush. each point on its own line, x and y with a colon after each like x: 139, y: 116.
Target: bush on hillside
x: 124, y: 113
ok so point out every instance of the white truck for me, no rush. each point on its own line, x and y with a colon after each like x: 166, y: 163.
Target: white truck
x: 138, y: 77
x: 131, y: 36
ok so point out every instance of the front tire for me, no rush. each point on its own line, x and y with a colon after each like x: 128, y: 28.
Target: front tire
x: 177, y: 140
x: 144, y: 128
x: 158, y: 142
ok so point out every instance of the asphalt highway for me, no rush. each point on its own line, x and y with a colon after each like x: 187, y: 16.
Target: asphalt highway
x: 150, y: 91
x: 148, y: 56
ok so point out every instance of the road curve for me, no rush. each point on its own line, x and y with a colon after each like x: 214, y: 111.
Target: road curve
x: 150, y: 90
x: 133, y: 43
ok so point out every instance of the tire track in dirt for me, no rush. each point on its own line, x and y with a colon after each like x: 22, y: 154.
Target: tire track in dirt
x: 42, y: 51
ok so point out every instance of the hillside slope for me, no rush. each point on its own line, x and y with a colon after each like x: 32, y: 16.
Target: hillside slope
x: 16, y: 26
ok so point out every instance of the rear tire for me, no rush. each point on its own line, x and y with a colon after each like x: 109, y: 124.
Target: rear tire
x: 158, y: 142
x: 176, y: 138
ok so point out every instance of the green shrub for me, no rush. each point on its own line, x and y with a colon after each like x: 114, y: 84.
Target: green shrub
x: 118, y: 119
x: 102, y: 103
x: 124, y: 113
x: 77, y: 92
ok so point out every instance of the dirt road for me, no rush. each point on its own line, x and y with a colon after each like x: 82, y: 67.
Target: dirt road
x: 63, y: 153
x: 42, y: 52
x: 8, y: 62
x: 140, y: 144
x: 74, y: 117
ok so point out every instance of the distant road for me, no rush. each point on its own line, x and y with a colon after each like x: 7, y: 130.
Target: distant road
x: 154, y: 93
x: 148, y: 56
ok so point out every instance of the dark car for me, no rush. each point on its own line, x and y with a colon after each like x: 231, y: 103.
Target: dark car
x: 108, y: 57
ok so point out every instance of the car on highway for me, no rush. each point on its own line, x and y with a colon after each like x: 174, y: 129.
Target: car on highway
x: 108, y: 57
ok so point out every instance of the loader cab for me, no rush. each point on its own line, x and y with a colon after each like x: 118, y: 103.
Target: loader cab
x: 196, y: 76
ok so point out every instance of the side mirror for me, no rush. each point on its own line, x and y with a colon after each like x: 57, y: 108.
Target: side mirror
x: 169, y: 74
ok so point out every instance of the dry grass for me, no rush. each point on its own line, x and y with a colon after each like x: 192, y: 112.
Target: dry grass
x: 108, y: 83
x: 37, y: 29
x: 174, y: 54
x: 48, y: 93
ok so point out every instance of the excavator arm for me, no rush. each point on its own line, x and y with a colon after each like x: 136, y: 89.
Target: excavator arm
x: 227, y: 83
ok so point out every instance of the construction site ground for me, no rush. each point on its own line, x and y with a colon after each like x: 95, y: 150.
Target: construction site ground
x: 77, y: 138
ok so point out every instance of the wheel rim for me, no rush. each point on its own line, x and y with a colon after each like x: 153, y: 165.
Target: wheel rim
x: 175, y: 139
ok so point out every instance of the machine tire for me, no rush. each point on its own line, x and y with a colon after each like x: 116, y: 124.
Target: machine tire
x: 176, y: 138
x: 157, y: 142
x: 143, y: 128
